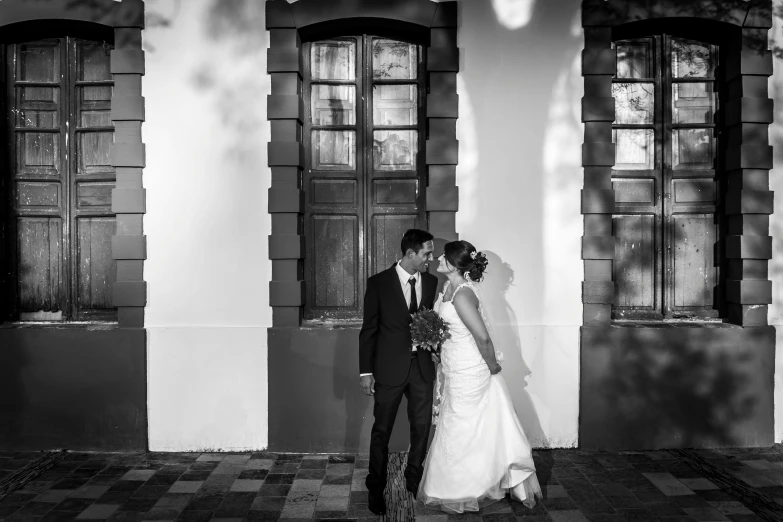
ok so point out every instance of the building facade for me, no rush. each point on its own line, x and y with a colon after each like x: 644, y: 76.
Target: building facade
x: 195, y: 193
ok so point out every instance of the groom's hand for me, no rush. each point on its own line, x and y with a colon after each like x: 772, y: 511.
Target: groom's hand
x: 367, y: 383
x: 494, y: 369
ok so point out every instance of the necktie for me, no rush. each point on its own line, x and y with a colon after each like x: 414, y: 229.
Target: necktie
x: 413, y: 306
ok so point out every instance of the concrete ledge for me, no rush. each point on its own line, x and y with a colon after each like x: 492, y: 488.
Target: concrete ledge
x: 594, y: 314
x: 286, y: 246
x: 127, y: 108
x: 443, y: 198
x: 443, y: 105
x: 285, y: 153
x: 284, y: 107
x: 442, y: 152
x: 749, y: 292
x: 286, y: 293
x: 597, y: 201
x: 597, y: 247
x: 126, y: 154
x: 279, y: 14
x: 443, y: 59
x: 598, y: 109
x: 749, y: 156
x: 749, y: 110
x: 750, y: 202
x: 598, y: 292
x: 286, y: 200
x: 129, y: 247
x: 128, y: 201
x: 127, y: 61
x: 599, y: 61
x: 749, y: 247
x: 130, y: 316
x: 129, y: 293
x: 598, y: 154
x: 283, y: 60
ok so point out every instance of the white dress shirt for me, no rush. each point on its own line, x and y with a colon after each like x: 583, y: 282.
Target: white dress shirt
x: 406, y: 291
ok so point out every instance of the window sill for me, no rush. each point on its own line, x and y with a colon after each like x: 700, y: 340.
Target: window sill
x: 85, y: 325
x: 672, y: 323
x: 331, y: 324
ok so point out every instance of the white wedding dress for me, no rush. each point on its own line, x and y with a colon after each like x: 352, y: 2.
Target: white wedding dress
x: 480, y: 450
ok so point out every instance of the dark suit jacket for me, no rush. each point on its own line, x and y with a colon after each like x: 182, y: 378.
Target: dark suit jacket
x: 385, y: 338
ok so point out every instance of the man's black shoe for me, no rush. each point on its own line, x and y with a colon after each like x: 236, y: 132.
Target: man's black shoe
x: 376, y: 503
x: 413, y: 488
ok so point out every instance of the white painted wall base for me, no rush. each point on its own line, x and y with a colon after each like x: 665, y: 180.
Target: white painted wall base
x: 207, y: 389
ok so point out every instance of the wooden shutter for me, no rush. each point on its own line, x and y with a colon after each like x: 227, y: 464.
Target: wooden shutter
x: 363, y: 131
x: 664, y: 178
x: 689, y: 177
x: 636, y: 179
x: 37, y: 117
x: 395, y: 197
x: 334, y: 179
x: 61, y: 137
x: 92, y: 180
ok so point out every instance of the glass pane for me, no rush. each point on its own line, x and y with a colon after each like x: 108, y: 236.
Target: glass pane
x: 96, y: 93
x: 96, y: 119
x: 94, y: 61
x: 392, y: 60
x: 691, y: 59
x: 40, y: 119
x: 693, y: 149
x: 634, y: 59
x: 394, y: 105
x: 334, y: 150
x: 634, y: 149
x: 333, y: 105
x: 333, y: 60
x: 395, y: 150
x: 39, y: 63
x: 634, y: 102
x: 693, y: 103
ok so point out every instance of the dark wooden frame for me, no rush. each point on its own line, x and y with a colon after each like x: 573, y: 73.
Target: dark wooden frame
x: 435, y: 26
x: 663, y: 174
x: 747, y: 156
x: 364, y: 128
x: 23, y: 20
x: 69, y: 102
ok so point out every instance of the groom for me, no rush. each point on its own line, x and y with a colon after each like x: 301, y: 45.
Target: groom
x: 391, y: 366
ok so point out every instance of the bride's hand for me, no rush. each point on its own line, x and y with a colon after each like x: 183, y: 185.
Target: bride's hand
x: 494, y: 369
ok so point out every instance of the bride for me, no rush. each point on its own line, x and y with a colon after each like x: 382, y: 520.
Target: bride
x: 479, y: 450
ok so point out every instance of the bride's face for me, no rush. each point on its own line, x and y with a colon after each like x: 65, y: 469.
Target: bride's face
x: 443, y: 266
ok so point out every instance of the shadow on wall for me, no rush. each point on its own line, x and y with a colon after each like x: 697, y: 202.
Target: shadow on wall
x: 505, y: 336
x: 510, y: 68
x: 648, y: 388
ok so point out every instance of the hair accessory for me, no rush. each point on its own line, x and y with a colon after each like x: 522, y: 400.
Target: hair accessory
x: 473, y: 254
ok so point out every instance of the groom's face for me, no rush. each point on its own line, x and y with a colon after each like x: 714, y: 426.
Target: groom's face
x: 421, y: 257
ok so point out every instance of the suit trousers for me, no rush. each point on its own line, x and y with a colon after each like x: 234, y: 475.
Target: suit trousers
x: 418, y: 392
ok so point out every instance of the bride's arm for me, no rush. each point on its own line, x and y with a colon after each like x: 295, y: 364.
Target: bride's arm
x: 466, y: 304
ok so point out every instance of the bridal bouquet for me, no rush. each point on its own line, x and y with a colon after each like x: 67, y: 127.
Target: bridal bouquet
x: 428, y: 330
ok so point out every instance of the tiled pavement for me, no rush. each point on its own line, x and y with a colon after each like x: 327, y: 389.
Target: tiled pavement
x: 192, y: 487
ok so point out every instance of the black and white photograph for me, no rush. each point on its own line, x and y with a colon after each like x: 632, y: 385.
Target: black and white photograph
x: 391, y: 260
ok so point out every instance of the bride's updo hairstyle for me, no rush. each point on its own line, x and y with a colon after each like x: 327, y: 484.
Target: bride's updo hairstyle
x: 465, y: 258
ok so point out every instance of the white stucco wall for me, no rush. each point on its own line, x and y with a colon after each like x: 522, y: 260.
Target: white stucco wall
x: 519, y: 177
x: 207, y: 225
x: 776, y: 220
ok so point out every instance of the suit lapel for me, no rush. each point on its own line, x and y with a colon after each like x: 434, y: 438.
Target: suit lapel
x: 428, y: 286
x: 394, y: 280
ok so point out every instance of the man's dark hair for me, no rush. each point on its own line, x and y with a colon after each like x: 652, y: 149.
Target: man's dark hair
x: 414, y: 239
